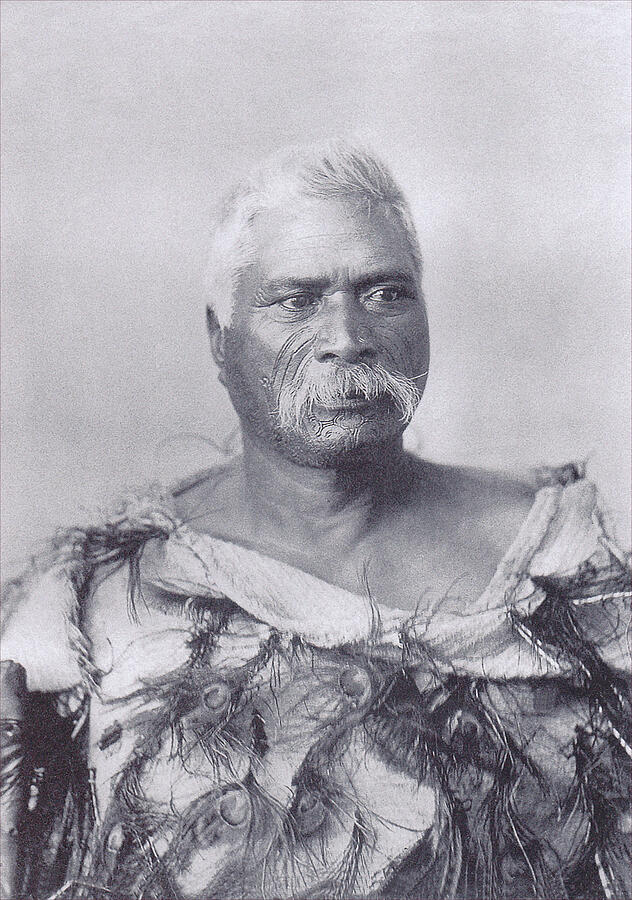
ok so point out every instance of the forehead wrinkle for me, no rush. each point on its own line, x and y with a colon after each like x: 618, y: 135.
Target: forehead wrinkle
x: 335, y: 241
x: 301, y: 225
x: 294, y: 249
x: 316, y: 272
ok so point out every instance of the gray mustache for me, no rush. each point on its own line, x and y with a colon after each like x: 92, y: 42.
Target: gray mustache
x: 363, y: 381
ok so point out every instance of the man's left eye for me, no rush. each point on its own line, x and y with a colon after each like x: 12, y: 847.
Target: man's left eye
x: 386, y: 295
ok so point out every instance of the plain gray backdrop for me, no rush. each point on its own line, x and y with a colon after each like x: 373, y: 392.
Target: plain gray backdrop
x: 507, y: 123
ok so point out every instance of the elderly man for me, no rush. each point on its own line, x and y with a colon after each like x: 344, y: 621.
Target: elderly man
x: 328, y: 669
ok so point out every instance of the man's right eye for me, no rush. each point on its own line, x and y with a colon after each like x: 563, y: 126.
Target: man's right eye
x: 297, y: 302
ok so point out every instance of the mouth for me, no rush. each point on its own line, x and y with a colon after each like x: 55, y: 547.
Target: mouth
x: 352, y: 396
x: 349, y: 402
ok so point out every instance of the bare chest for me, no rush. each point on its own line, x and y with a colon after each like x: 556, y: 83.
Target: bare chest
x: 416, y: 577
x: 411, y: 557
x: 399, y: 568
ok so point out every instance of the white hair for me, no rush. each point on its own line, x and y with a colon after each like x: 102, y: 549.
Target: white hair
x: 337, y: 169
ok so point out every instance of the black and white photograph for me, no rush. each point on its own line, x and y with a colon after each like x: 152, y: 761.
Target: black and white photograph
x: 316, y: 450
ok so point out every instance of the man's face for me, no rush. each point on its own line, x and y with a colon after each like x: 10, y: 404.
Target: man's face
x: 331, y: 296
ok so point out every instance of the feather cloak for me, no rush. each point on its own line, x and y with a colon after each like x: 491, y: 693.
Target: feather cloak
x: 220, y: 725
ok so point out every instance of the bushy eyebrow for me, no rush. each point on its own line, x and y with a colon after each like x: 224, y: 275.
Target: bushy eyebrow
x: 364, y: 282
x: 280, y: 285
x: 385, y: 275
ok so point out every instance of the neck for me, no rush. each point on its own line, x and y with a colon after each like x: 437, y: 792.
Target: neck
x: 308, y: 503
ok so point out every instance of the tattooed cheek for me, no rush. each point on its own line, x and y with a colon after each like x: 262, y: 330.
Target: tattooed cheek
x: 400, y: 351
x: 290, y: 356
x: 390, y: 351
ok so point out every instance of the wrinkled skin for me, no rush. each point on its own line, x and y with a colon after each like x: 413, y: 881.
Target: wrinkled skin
x: 334, y: 284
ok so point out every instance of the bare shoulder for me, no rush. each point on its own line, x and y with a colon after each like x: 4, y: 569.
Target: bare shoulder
x: 494, y: 487
x: 493, y: 503
x: 472, y: 483
x: 206, y: 496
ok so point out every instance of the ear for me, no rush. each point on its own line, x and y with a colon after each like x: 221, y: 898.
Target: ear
x: 215, y: 336
x: 216, y: 340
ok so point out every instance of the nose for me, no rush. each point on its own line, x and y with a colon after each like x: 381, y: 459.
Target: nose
x: 342, y: 334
